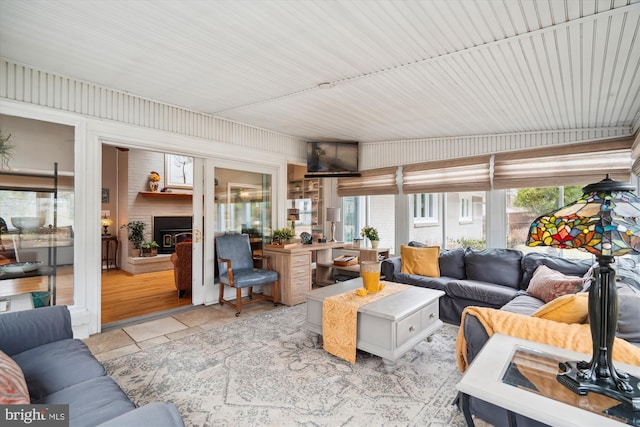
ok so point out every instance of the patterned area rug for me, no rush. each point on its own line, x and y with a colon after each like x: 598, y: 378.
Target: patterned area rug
x: 265, y: 371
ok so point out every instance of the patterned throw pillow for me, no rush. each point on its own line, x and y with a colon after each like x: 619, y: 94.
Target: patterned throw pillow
x: 547, y: 284
x: 13, y: 387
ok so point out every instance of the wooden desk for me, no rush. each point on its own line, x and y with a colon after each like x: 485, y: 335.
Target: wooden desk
x: 109, y: 254
x: 294, y: 266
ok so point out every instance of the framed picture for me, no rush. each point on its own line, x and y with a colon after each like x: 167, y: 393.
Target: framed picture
x: 178, y: 171
x: 105, y: 195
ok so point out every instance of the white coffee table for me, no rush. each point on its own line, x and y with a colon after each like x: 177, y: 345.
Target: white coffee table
x: 388, y: 327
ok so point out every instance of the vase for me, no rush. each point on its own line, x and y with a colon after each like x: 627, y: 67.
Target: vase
x: 374, y: 244
x: 153, y: 186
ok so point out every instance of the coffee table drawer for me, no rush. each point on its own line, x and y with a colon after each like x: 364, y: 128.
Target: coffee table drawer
x: 415, y: 323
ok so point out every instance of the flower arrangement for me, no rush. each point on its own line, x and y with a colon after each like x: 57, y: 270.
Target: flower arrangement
x: 369, y: 232
x: 154, y: 176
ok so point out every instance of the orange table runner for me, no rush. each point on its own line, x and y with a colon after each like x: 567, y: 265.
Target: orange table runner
x: 340, y: 319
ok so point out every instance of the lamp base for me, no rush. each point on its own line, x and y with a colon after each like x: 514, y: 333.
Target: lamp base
x: 581, y: 381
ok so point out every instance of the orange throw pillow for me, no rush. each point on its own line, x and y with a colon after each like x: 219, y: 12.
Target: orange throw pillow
x: 570, y: 308
x: 420, y: 260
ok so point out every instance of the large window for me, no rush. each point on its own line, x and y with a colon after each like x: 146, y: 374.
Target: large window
x: 376, y: 211
x: 425, y: 208
x: 457, y: 220
x: 526, y: 204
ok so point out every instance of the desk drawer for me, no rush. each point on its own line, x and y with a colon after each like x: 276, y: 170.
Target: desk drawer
x: 301, y: 271
x: 300, y: 260
x: 417, y: 322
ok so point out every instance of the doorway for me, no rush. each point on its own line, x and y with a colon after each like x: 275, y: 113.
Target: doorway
x: 134, y: 285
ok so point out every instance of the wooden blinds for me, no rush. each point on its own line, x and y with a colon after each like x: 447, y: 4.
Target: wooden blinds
x: 575, y: 164
x: 371, y: 182
x: 468, y: 174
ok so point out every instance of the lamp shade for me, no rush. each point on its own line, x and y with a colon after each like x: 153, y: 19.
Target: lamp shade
x: 106, y: 222
x: 604, y: 221
x: 334, y: 214
x: 293, y: 214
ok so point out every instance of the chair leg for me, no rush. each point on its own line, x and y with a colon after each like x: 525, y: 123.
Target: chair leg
x: 250, y: 292
x: 221, y: 294
x: 238, y: 301
x: 275, y: 293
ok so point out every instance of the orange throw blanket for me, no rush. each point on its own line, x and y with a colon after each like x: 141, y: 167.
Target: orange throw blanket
x: 340, y: 319
x: 576, y: 337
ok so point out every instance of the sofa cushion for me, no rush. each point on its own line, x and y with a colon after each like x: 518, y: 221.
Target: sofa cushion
x: 91, y: 402
x: 452, y: 263
x: 488, y: 293
x: 548, y: 284
x: 523, y: 303
x: 420, y: 260
x: 13, y: 387
x: 628, y: 313
x: 570, y: 267
x: 499, y: 266
x: 438, y: 283
x: 570, y: 308
x: 57, y: 365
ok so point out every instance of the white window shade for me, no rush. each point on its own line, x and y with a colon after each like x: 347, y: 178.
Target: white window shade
x: 371, y: 183
x: 566, y: 165
x: 469, y: 174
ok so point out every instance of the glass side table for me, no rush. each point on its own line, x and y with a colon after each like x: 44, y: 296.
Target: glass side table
x: 520, y: 376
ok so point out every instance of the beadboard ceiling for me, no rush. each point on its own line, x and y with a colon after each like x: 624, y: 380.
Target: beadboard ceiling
x: 398, y: 69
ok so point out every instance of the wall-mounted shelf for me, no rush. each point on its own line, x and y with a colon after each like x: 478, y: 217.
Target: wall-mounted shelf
x: 164, y: 195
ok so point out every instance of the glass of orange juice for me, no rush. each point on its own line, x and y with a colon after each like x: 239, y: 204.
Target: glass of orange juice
x: 370, y: 273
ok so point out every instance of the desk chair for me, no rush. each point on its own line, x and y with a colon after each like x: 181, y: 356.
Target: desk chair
x: 235, y: 263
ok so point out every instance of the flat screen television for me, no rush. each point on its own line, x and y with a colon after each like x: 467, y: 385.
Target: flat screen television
x: 332, y: 158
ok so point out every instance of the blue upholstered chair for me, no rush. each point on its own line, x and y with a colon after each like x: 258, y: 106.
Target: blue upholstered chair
x: 235, y: 263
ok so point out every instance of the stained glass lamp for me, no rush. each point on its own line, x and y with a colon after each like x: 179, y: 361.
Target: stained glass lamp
x: 606, y: 222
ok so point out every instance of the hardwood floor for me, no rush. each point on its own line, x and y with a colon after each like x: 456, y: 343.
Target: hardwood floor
x: 124, y: 295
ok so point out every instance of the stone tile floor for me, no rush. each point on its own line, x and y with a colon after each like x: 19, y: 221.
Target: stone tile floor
x: 136, y: 336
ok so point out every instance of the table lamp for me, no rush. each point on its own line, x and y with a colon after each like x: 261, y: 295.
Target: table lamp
x: 333, y: 215
x: 293, y: 215
x: 106, y: 222
x: 606, y: 222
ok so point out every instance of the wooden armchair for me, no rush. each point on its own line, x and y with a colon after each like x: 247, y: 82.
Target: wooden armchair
x: 181, y: 260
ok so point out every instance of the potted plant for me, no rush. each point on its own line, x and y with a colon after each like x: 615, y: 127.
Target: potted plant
x: 372, y: 234
x: 281, y: 235
x: 136, y: 236
x: 149, y: 248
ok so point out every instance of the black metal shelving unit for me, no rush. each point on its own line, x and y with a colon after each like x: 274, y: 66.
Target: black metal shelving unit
x: 52, y: 249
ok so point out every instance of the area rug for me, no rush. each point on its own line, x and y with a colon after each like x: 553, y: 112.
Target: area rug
x: 265, y: 371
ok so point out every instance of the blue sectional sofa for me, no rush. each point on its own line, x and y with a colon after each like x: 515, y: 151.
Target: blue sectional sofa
x: 499, y: 278
x: 59, y: 369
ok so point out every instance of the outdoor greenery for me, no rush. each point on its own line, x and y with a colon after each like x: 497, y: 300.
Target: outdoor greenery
x: 136, y: 232
x: 465, y: 242
x: 369, y: 232
x: 539, y: 201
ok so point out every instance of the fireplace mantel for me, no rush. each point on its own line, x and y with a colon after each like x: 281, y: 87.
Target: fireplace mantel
x: 164, y: 195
